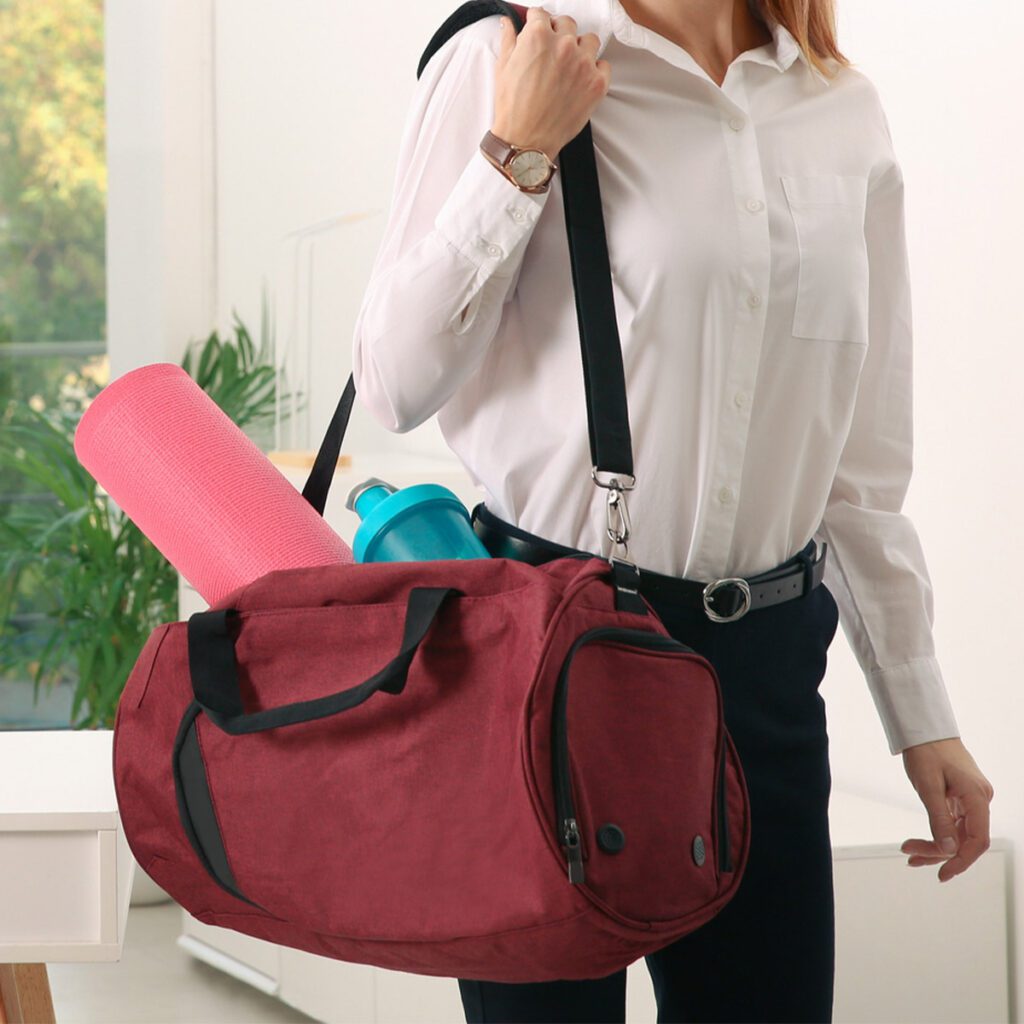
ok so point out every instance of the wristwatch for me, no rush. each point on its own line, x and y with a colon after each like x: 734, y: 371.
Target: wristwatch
x: 530, y: 170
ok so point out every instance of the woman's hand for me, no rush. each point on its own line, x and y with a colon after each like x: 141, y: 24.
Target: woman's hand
x: 547, y: 81
x: 956, y: 796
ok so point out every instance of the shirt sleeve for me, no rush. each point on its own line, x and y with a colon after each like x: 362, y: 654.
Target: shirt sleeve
x: 876, y: 567
x: 452, y: 247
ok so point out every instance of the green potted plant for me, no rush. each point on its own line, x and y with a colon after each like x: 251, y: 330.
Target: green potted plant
x: 81, y: 587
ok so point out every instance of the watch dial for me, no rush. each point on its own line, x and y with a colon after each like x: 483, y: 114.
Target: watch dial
x: 529, y: 167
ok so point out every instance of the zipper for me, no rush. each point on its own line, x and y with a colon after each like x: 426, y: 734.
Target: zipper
x: 566, y: 825
x: 724, y: 855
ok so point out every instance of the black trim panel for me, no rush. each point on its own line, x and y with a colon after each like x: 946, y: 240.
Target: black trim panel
x: 195, y: 806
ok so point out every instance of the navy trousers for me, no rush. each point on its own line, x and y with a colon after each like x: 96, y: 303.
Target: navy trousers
x: 769, y: 954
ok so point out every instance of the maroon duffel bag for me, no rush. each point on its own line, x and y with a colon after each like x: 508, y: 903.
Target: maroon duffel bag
x: 474, y: 768
x: 543, y: 788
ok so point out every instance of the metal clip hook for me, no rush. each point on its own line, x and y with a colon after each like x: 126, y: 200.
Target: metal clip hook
x: 618, y: 524
x: 618, y: 519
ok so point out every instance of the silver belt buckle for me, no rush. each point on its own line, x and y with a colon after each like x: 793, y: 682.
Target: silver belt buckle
x: 712, y: 587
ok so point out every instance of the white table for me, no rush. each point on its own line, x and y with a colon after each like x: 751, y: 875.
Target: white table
x: 66, y: 868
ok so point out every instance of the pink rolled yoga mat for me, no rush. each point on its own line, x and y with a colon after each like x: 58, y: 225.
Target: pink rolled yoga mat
x: 197, y: 486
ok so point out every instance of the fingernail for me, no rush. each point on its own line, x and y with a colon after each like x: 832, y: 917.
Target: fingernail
x: 948, y: 844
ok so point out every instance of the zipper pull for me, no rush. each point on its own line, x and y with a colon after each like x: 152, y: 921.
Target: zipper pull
x: 574, y: 854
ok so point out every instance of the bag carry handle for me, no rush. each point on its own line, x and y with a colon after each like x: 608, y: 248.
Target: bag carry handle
x: 214, y: 669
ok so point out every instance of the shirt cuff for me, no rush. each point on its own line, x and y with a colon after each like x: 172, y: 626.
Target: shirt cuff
x: 486, y: 217
x: 913, y: 703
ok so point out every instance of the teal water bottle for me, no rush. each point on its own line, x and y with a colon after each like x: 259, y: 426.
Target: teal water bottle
x: 411, y: 524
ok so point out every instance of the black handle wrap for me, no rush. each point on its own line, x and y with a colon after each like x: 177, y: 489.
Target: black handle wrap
x: 214, y: 669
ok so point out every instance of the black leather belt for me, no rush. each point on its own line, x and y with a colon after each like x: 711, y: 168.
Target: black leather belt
x: 722, y: 600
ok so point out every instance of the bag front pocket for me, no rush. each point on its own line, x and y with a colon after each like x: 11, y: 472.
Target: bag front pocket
x: 628, y: 764
x: 832, y: 287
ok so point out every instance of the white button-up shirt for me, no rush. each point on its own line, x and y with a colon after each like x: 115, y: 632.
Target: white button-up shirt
x: 757, y: 246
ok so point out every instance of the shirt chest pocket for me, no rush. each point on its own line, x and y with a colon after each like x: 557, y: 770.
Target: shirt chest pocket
x: 832, y: 284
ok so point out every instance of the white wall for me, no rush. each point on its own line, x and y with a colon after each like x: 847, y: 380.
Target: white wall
x: 311, y: 97
x: 161, y: 218
x: 309, y: 100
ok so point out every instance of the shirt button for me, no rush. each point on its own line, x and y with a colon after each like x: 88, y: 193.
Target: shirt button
x: 725, y: 495
x: 517, y: 214
x: 754, y: 299
x: 753, y: 205
x: 740, y: 398
x: 494, y: 250
x: 736, y: 123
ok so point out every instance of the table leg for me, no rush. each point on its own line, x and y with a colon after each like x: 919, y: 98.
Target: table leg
x: 25, y: 994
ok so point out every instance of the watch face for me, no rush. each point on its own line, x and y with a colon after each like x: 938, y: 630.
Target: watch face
x: 529, y: 167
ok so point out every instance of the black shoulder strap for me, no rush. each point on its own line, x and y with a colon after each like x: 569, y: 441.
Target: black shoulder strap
x: 611, y: 446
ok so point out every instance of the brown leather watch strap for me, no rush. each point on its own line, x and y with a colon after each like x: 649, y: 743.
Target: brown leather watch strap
x: 497, y: 149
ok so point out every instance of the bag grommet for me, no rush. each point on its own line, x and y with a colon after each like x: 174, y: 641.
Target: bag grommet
x: 699, y: 851
x: 611, y: 838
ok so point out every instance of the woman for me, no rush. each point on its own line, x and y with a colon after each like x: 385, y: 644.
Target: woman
x: 753, y: 206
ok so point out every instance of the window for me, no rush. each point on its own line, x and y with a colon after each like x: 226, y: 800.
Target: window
x: 52, y: 301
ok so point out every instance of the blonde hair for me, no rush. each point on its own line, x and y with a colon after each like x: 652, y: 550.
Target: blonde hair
x: 812, y: 23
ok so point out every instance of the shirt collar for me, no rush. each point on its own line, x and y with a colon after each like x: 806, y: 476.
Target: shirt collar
x: 608, y: 17
x: 786, y: 49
